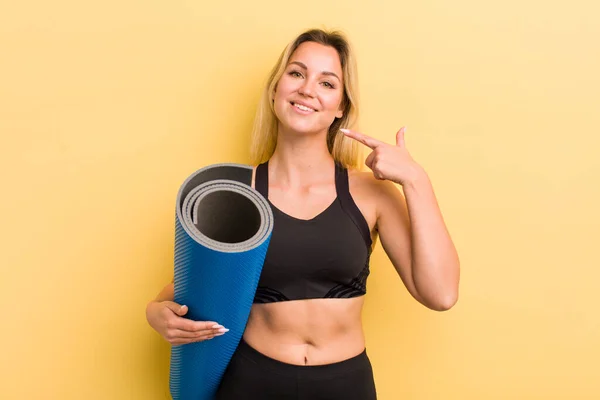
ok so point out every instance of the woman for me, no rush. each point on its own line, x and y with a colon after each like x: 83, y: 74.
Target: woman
x: 304, y: 336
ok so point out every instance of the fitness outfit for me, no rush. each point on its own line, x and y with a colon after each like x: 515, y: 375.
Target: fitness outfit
x: 323, y: 257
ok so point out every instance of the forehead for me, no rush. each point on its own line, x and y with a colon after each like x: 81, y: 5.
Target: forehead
x: 318, y: 57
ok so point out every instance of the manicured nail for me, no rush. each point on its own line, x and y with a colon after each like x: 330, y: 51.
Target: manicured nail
x: 345, y: 130
x: 217, y: 326
x: 223, y: 330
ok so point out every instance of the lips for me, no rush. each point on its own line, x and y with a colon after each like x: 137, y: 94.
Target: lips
x: 302, y: 107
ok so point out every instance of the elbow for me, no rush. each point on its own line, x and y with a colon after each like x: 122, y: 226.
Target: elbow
x: 448, y: 296
x: 440, y: 294
x: 443, y: 302
x: 447, y: 302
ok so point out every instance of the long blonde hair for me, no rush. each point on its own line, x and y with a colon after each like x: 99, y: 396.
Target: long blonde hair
x: 264, y: 133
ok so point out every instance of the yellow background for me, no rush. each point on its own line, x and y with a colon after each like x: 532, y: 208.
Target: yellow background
x: 106, y: 107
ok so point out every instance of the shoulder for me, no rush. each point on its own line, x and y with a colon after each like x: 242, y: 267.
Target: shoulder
x: 373, y: 196
x: 363, y: 181
x: 379, y: 195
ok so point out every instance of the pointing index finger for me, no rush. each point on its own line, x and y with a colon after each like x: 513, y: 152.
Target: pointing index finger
x: 364, y: 139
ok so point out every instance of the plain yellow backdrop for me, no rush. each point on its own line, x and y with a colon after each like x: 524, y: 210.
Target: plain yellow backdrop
x: 106, y: 107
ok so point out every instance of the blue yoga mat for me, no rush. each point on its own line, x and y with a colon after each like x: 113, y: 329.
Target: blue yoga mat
x: 222, y: 230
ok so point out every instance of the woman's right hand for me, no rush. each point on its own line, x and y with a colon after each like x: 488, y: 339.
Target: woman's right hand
x: 166, y: 317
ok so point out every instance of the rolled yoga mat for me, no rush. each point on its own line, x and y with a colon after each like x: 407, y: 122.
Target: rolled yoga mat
x: 222, y: 230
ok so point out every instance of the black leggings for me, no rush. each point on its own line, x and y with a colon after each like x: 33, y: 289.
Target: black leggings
x: 253, y: 376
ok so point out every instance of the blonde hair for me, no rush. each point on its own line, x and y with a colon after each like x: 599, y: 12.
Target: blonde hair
x: 264, y: 133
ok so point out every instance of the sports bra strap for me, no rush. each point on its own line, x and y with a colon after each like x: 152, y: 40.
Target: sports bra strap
x: 261, y: 180
x: 348, y: 205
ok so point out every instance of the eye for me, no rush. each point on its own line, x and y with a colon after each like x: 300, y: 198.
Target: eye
x: 328, y: 84
x: 295, y: 74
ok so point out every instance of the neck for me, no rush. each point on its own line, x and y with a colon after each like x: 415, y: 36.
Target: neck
x: 299, y: 159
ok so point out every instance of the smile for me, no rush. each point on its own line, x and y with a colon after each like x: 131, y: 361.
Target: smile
x: 303, y: 108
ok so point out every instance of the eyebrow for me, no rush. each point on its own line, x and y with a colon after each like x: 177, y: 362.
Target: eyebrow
x: 302, y: 65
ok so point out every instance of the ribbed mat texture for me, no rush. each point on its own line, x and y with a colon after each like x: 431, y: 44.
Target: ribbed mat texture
x: 222, y: 232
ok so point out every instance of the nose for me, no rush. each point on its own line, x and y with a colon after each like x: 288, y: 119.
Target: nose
x: 307, y: 88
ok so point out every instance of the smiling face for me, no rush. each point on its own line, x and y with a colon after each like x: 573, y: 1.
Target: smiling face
x: 309, y: 94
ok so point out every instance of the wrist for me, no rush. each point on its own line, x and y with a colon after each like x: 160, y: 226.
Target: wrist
x: 150, y: 306
x: 416, y: 176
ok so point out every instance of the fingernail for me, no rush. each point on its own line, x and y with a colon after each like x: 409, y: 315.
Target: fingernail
x: 217, y: 326
x: 345, y: 130
x: 223, y: 330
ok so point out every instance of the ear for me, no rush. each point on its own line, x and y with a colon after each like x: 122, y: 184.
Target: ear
x: 340, y: 113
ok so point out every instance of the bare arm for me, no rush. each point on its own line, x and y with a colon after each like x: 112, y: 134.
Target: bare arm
x: 412, y: 230
x: 416, y: 240
x: 167, y: 293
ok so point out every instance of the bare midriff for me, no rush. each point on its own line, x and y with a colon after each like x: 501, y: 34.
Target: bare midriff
x: 307, y: 332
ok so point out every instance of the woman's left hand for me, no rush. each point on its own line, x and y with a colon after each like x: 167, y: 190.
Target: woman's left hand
x: 387, y: 161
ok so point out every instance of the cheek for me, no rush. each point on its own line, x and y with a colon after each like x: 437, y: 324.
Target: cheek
x: 334, y: 102
x: 284, y: 86
x: 279, y: 103
x: 281, y: 94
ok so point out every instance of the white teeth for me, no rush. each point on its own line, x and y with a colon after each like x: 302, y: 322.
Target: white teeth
x: 303, y: 108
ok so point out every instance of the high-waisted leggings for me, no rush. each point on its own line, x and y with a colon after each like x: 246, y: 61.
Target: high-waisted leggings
x: 252, y: 375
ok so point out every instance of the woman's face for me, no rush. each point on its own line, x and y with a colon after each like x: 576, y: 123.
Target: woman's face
x: 308, y: 95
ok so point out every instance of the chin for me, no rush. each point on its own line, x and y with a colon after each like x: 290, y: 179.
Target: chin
x: 304, y: 130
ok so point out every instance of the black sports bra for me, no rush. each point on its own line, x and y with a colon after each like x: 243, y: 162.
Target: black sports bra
x: 324, y: 257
